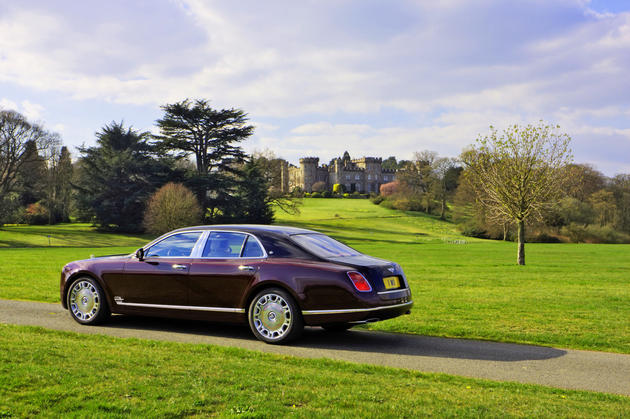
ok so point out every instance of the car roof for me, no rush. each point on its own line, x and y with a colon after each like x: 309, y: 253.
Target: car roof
x: 253, y: 228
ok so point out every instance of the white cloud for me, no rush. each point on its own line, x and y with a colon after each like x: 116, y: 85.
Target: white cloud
x: 326, y: 75
x: 7, y: 104
x: 32, y: 111
x: 59, y: 128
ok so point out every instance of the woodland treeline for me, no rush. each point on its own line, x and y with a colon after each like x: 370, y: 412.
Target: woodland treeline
x: 593, y: 207
x: 111, y: 183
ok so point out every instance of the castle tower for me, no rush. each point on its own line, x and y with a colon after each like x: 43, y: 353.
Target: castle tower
x: 308, y: 167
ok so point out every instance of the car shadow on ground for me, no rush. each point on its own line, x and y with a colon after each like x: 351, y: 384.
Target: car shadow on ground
x: 353, y: 340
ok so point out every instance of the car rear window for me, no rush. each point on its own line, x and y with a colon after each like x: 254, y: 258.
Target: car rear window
x: 252, y: 249
x: 224, y: 244
x: 323, y: 246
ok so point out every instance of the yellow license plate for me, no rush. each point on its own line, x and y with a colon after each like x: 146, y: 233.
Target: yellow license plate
x: 391, y: 282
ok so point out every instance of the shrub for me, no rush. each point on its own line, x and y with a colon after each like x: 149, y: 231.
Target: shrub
x: 545, y: 238
x: 338, y: 188
x: 355, y: 195
x: 170, y: 207
x: 297, y: 192
x: 387, y: 203
x: 316, y: 195
x: 377, y: 199
x: 407, y: 204
x: 326, y: 194
x: 346, y: 195
x: 11, y: 211
x: 306, y: 194
x: 388, y: 189
x: 471, y: 229
x: 36, y: 214
x: 319, y: 186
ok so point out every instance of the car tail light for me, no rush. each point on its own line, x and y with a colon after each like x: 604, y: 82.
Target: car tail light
x: 359, y: 281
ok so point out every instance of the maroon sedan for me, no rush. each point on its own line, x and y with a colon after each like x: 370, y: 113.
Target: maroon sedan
x: 276, y: 278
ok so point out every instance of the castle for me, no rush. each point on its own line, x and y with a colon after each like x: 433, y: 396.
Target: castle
x: 363, y: 175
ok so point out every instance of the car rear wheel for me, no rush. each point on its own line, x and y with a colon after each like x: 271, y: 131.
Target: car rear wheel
x: 337, y: 327
x: 86, y: 302
x: 274, y: 317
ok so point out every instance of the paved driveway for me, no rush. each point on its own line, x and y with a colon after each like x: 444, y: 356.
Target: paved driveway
x: 586, y: 370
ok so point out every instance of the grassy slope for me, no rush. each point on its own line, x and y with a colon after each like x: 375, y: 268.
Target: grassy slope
x: 570, y: 295
x: 53, y: 374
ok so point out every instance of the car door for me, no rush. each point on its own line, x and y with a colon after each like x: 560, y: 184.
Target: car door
x: 160, y: 279
x: 228, y: 264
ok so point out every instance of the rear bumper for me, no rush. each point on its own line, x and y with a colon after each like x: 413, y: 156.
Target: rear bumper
x: 356, y: 315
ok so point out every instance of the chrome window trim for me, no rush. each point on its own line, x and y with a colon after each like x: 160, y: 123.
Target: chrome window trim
x: 200, y: 244
x: 174, y: 307
x: 393, y: 291
x: 354, y: 310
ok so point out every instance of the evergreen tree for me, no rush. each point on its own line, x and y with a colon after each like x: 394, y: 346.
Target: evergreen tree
x: 64, y: 186
x: 31, y: 177
x: 255, y: 200
x: 211, y: 136
x: 117, y: 176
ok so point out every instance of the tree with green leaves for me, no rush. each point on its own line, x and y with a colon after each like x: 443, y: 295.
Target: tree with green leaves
x: 253, y: 193
x: 63, y: 186
x: 445, y: 178
x: 117, y: 176
x: 270, y: 167
x: 516, y: 174
x: 194, y: 128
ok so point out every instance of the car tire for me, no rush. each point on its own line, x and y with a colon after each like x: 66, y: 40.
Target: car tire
x: 274, y: 316
x: 338, y: 327
x: 86, y: 302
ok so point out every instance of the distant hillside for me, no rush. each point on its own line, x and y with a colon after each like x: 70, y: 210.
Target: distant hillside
x: 360, y: 220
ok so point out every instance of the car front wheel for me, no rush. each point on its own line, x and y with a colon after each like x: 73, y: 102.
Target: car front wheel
x: 274, y: 317
x: 86, y: 302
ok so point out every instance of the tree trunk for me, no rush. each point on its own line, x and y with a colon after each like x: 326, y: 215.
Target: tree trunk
x: 521, y: 242
x: 443, y: 213
x: 505, y: 231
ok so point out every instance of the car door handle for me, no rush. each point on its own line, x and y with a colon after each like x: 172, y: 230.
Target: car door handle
x: 246, y: 268
x: 180, y: 267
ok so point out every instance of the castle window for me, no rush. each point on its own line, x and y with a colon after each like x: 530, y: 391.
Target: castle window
x: 369, y: 177
x: 357, y: 177
x: 385, y: 177
x: 347, y: 177
x: 376, y: 177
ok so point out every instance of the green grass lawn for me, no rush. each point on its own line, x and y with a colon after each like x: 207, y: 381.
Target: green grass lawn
x: 568, y: 295
x: 59, y: 374
x: 65, y: 235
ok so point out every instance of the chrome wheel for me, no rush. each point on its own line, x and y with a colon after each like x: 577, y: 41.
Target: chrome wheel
x: 84, y: 300
x: 272, y: 316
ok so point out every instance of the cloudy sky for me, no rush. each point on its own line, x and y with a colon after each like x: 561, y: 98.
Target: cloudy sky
x: 319, y: 77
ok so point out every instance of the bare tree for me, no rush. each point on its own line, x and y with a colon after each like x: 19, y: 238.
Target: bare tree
x: 15, y: 135
x: 445, y: 172
x: 517, y: 173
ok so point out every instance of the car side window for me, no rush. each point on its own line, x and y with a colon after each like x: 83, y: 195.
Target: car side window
x: 177, y: 245
x: 224, y: 244
x: 252, y: 249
